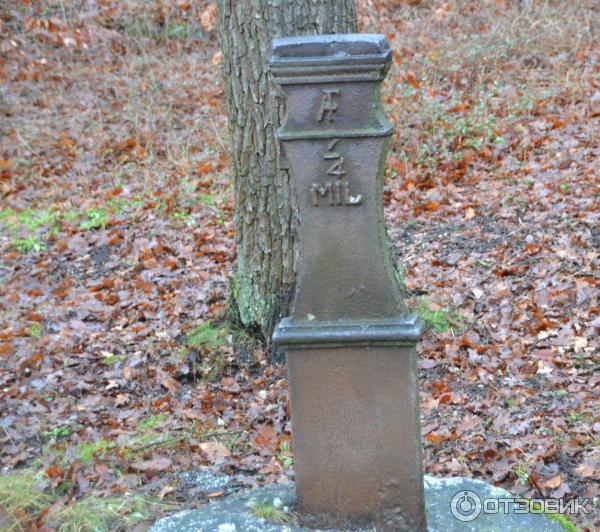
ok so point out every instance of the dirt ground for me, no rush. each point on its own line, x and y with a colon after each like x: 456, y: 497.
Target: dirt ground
x: 117, y: 369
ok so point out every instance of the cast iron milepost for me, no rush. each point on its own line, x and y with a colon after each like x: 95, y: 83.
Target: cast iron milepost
x: 349, y: 342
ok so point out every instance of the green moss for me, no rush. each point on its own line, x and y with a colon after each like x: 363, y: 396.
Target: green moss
x: 89, y: 450
x: 251, y: 308
x: 563, y: 521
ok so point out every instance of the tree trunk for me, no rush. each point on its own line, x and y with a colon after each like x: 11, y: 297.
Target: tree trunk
x: 265, y: 209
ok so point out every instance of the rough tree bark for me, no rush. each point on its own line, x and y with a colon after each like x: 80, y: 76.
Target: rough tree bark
x: 265, y: 209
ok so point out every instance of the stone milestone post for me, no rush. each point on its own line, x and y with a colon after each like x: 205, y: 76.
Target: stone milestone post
x: 350, y: 343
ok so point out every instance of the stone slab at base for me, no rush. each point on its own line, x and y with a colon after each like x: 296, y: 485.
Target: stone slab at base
x: 234, y: 513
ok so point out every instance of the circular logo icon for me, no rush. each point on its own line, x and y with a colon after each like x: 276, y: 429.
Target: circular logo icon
x: 465, y: 506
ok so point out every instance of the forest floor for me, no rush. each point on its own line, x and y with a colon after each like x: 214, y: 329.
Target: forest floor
x: 117, y: 370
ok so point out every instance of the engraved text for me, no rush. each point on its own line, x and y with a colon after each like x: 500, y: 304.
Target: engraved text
x: 328, y: 105
x: 336, y: 193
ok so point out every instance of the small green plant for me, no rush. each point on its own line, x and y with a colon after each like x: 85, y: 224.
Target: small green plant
x: 96, y: 218
x: 113, y: 359
x: 521, y: 472
x: 285, y: 457
x: 439, y: 321
x: 57, y: 432
x: 271, y: 512
x: 27, y: 244
x: 35, y: 331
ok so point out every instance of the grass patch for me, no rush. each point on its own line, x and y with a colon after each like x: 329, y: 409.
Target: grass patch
x: 22, y: 500
x: 95, y: 513
x: 148, y: 437
x: 181, y: 31
x: 201, y: 349
x: 440, y: 320
x: 25, y: 227
x: 268, y: 511
x: 448, y: 132
x: 145, y: 27
x: 154, y: 440
x: 122, y: 205
x: 29, y: 228
x: 151, y: 421
x: 35, y: 218
x: 20, y: 496
x: 206, y: 337
x: 138, y: 442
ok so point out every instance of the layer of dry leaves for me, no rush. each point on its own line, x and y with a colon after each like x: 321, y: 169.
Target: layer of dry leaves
x: 113, y: 124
